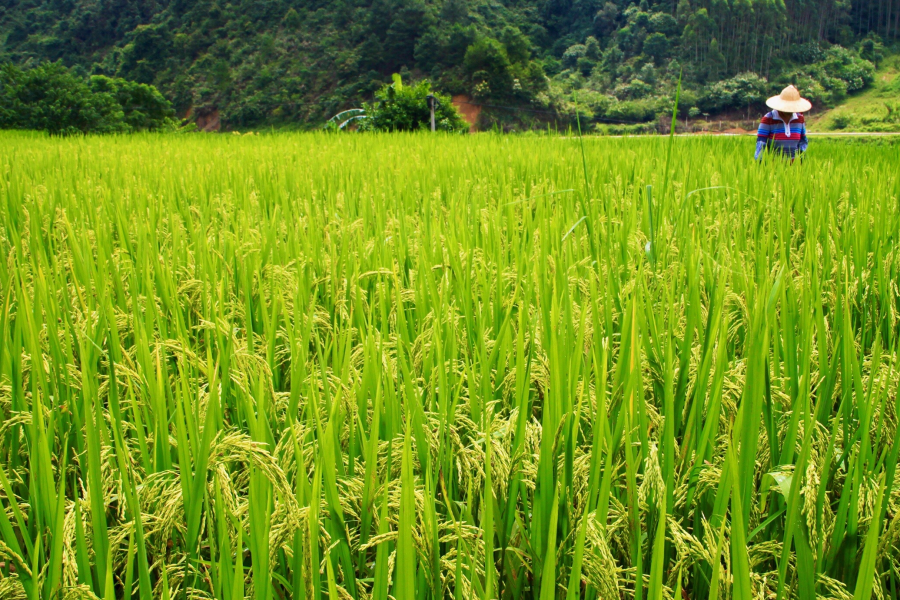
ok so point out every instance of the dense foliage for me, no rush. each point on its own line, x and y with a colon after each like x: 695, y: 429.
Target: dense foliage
x: 431, y: 367
x: 51, y: 98
x: 399, y: 107
x: 299, y: 61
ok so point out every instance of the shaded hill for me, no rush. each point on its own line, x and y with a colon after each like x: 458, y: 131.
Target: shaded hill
x: 297, y: 62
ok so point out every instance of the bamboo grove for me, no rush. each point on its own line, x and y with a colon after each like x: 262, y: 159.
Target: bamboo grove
x: 365, y: 367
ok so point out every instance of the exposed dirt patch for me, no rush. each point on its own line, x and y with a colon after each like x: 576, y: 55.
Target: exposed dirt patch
x: 207, y: 120
x: 469, y: 111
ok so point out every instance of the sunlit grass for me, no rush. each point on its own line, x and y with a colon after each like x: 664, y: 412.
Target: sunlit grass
x: 422, y: 366
x: 876, y: 109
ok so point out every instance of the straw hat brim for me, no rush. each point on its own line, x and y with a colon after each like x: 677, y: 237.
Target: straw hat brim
x: 797, y: 106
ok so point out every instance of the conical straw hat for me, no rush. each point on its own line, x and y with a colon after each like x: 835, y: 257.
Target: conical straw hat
x: 789, y: 100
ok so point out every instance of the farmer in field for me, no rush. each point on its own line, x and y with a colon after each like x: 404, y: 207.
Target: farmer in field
x: 783, y: 130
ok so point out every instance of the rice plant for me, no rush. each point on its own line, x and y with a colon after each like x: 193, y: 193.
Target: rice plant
x: 426, y: 367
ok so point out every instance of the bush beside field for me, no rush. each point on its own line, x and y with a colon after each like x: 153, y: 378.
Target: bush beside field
x: 876, y: 109
x: 52, y: 98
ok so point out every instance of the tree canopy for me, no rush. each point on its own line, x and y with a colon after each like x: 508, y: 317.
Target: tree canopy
x: 52, y: 98
x: 301, y: 61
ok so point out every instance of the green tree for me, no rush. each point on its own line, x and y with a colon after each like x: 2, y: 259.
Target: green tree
x: 458, y: 43
x: 741, y: 91
x: 612, y: 58
x: 292, y: 19
x: 429, y: 52
x: 455, y: 11
x: 401, y: 107
x: 664, y: 23
x: 52, y: 98
x: 715, y: 61
x: 143, y: 107
x: 592, y: 50
x: 295, y: 61
x: 487, y: 62
x: 605, y: 19
x: 145, y: 53
x: 657, y: 47
x: 518, y: 48
x: 573, y: 54
x: 409, y: 21
x: 683, y: 11
x: 584, y: 65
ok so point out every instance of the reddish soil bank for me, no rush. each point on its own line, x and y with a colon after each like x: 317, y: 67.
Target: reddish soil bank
x: 468, y: 110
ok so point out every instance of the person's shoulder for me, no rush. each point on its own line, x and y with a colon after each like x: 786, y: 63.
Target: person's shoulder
x: 801, y: 118
x: 768, y: 118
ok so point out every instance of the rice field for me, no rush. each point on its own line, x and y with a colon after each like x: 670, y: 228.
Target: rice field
x: 421, y: 367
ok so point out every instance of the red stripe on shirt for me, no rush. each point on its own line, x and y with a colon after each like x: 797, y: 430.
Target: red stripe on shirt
x: 767, y: 120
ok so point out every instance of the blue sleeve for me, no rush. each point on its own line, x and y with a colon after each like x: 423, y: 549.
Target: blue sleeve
x: 762, y: 138
x: 760, y: 146
x: 804, y: 142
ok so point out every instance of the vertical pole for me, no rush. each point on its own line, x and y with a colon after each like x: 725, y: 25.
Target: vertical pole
x: 431, y: 100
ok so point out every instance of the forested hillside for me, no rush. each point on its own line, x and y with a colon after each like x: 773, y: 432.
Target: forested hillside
x: 300, y: 61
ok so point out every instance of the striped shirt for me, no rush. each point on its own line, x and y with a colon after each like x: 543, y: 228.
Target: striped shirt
x: 788, y: 138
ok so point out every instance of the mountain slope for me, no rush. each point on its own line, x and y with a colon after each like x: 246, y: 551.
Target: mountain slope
x: 299, y: 61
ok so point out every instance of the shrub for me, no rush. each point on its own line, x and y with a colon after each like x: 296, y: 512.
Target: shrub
x: 823, y: 90
x: 871, y: 49
x: 648, y: 74
x: 52, y: 98
x: 625, y: 129
x: 831, y: 79
x: 742, y: 90
x: 842, y: 64
x: 529, y: 80
x: 633, y: 90
x: 633, y: 111
x: 585, y: 65
x: 689, y: 98
x: 405, y: 108
x: 593, y: 104
x: 892, y: 89
x: 807, y: 53
x: 143, y: 107
x: 840, y: 121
